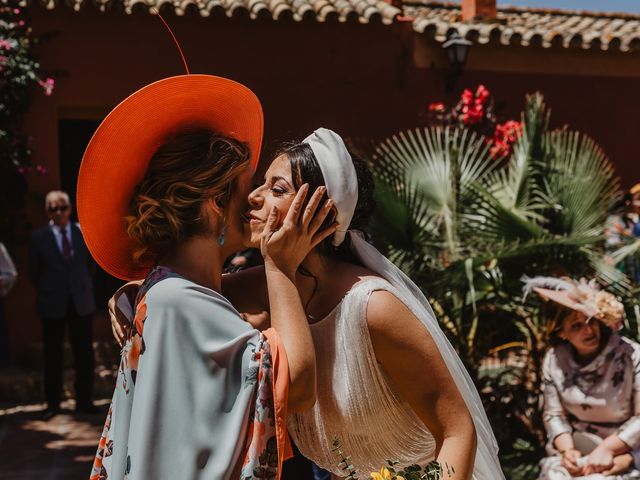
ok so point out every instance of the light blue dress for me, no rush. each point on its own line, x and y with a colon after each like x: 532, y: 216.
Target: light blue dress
x: 188, y: 402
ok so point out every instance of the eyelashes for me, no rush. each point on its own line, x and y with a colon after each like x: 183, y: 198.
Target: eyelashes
x: 273, y: 185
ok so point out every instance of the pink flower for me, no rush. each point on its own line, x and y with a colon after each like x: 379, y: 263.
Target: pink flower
x: 47, y: 85
x: 5, y: 44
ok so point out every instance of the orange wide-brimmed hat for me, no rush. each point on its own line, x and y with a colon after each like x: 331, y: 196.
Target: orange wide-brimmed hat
x: 119, y: 152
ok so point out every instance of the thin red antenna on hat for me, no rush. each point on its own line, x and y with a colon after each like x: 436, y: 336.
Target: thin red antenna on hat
x: 175, y: 40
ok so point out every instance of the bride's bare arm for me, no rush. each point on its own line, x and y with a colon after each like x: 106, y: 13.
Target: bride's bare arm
x: 407, y: 352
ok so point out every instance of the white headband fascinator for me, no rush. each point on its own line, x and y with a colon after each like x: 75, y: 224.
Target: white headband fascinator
x: 339, y: 176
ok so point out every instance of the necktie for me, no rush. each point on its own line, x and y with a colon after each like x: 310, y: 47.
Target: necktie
x: 66, y: 245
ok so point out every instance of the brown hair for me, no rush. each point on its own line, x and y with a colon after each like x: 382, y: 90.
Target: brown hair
x: 190, y: 168
x: 306, y: 169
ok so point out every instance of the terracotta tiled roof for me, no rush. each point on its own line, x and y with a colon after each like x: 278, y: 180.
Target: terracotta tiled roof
x: 363, y: 11
x: 528, y: 26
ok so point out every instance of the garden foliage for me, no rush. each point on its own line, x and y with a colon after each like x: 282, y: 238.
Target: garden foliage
x: 20, y: 78
x: 468, y: 206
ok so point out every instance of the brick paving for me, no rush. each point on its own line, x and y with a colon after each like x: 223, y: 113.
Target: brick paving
x: 61, y: 448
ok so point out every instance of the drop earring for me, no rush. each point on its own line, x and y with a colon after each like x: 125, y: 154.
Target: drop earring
x: 222, y: 234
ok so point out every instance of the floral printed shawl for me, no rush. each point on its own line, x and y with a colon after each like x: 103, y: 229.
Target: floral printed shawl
x: 199, y: 393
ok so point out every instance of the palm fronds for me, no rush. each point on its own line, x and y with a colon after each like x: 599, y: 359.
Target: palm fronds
x: 432, y: 172
x: 456, y: 220
x: 466, y: 228
x: 579, y: 183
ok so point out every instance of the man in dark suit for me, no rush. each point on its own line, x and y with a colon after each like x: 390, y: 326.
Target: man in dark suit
x: 60, y: 267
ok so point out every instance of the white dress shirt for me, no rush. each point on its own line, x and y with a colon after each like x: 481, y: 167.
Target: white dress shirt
x: 58, y: 234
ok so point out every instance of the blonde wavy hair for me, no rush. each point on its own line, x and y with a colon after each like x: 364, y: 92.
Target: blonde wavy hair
x: 189, y: 169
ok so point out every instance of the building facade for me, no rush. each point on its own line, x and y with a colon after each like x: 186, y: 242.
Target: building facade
x: 366, y: 68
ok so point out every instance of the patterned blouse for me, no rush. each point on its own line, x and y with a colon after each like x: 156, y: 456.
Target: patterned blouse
x: 601, y: 398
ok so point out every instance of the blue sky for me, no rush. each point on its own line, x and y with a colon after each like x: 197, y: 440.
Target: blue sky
x: 631, y: 6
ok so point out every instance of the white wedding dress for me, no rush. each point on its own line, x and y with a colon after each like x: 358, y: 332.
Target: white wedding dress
x: 357, y: 401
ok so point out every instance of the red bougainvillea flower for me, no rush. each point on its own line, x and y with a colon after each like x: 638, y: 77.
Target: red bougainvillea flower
x: 436, y: 107
x: 482, y: 94
x: 505, y: 135
x: 467, y: 96
x: 472, y: 105
x: 472, y: 115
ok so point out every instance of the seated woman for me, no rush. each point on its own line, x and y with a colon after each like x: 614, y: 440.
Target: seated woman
x: 591, y: 385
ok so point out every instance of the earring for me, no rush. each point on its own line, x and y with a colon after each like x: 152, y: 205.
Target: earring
x: 222, y: 234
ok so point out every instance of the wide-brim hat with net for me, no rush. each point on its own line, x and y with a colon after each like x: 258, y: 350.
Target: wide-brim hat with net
x: 583, y: 296
x: 119, y: 152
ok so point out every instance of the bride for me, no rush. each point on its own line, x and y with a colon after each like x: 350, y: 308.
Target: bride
x: 389, y: 384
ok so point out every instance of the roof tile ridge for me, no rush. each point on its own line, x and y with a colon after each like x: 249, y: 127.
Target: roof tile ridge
x: 536, y: 10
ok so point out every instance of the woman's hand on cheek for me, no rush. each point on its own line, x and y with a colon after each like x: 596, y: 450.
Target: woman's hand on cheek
x: 285, y: 248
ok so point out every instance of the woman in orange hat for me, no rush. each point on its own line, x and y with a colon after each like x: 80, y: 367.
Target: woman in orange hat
x: 199, y: 393
x: 591, y: 385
